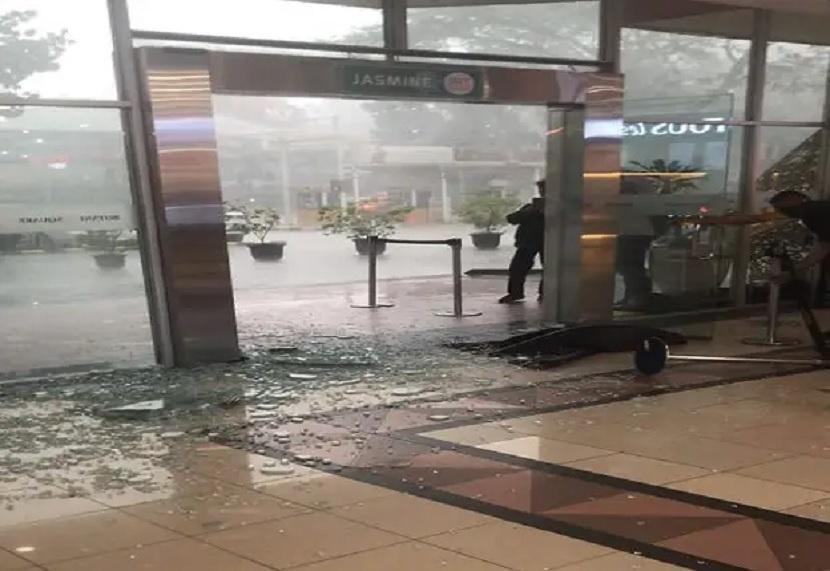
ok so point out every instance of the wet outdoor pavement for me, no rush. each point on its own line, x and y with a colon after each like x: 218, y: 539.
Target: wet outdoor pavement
x: 331, y: 442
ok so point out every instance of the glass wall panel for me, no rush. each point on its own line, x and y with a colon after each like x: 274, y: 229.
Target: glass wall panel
x: 544, y: 29
x: 56, y: 50
x: 293, y: 20
x: 71, y: 287
x: 796, y: 82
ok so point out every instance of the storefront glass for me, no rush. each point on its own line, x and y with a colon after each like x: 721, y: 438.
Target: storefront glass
x: 71, y: 285
x: 543, y: 29
x: 56, y: 50
x: 294, y: 20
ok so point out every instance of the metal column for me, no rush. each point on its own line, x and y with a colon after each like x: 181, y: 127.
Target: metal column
x: 188, y: 199
x: 128, y: 86
x: 750, y: 168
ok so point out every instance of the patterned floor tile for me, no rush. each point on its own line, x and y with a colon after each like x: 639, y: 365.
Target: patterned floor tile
x: 644, y: 518
x: 531, y: 491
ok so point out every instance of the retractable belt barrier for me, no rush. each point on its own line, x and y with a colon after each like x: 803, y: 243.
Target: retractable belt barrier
x: 457, y: 294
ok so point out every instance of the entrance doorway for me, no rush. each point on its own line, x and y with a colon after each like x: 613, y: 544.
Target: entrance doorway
x: 330, y: 146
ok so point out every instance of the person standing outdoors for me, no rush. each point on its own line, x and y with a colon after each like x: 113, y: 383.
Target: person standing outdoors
x: 530, y: 242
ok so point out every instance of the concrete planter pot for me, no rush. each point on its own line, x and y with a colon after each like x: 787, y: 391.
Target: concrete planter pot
x: 362, y: 246
x: 486, y: 240
x: 111, y: 260
x: 267, y: 252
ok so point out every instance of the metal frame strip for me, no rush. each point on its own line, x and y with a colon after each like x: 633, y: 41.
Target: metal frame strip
x: 352, y: 49
x: 127, y: 78
x: 6, y: 101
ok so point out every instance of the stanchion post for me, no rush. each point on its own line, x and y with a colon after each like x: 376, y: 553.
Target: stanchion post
x: 373, y: 271
x: 457, y: 293
x: 373, y: 277
x: 773, y: 310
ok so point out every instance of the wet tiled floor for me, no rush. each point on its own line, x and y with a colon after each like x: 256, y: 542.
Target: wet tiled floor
x: 704, y: 467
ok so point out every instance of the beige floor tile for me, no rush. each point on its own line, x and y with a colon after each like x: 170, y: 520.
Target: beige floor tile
x: 702, y: 452
x: 81, y: 536
x: 215, y: 511
x: 403, y: 557
x: 545, y: 450
x: 323, y: 491
x: 9, y: 562
x: 43, y: 504
x: 476, y: 434
x: 179, y: 555
x: 750, y: 491
x: 237, y: 466
x: 640, y: 469
x: 166, y: 487
x: 818, y: 511
x: 518, y: 547
x: 411, y: 516
x: 620, y: 562
x: 804, y: 471
x: 300, y: 540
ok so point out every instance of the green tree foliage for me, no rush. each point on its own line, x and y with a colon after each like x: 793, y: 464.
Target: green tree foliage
x: 24, y: 51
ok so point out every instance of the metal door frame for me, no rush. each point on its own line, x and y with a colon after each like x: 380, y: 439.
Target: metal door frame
x: 177, y: 89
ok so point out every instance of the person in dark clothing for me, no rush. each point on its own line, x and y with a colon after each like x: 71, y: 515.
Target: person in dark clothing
x: 815, y: 215
x: 530, y: 242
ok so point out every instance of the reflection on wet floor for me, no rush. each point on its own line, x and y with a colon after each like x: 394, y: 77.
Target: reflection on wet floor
x: 332, y: 442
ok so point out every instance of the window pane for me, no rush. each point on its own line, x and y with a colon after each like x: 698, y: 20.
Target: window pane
x: 796, y: 82
x: 292, y: 20
x: 54, y: 49
x: 687, y: 49
x: 66, y: 225
x: 544, y: 29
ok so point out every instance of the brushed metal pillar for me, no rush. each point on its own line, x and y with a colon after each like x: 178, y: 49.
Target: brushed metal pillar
x: 186, y: 184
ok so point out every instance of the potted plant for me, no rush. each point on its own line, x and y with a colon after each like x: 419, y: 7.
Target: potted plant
x: 236, y: 226
x: 260, y: 221
x: 360, y: 222
x: 109, y: 256
x: 487, y: 214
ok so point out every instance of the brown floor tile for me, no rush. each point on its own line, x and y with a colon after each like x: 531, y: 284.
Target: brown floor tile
x: 323, y: 491
x: 81, y: 536
x: 411, y: 516
x: 641, y: 517
x: 532, y: 491
x: 545, y: 450
x: 797, y: 549
x: 805, y: 471
x: 750, y: 491
x: 179, y: 555
x: 639, y: 469
x: 620, y: 562
x: 763, y: 546
x: 51, y: 503
x: 402, y: 557
x: 9, y: 562
x: 518, y: 547
x: 215, y: 511
x: 300, y: 540
x: 819, y: 511
x: 721, y: 545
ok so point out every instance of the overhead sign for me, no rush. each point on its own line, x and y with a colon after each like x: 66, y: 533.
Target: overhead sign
x: 413, y: 81
x: 28, y: 218
x: 642, y: 129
